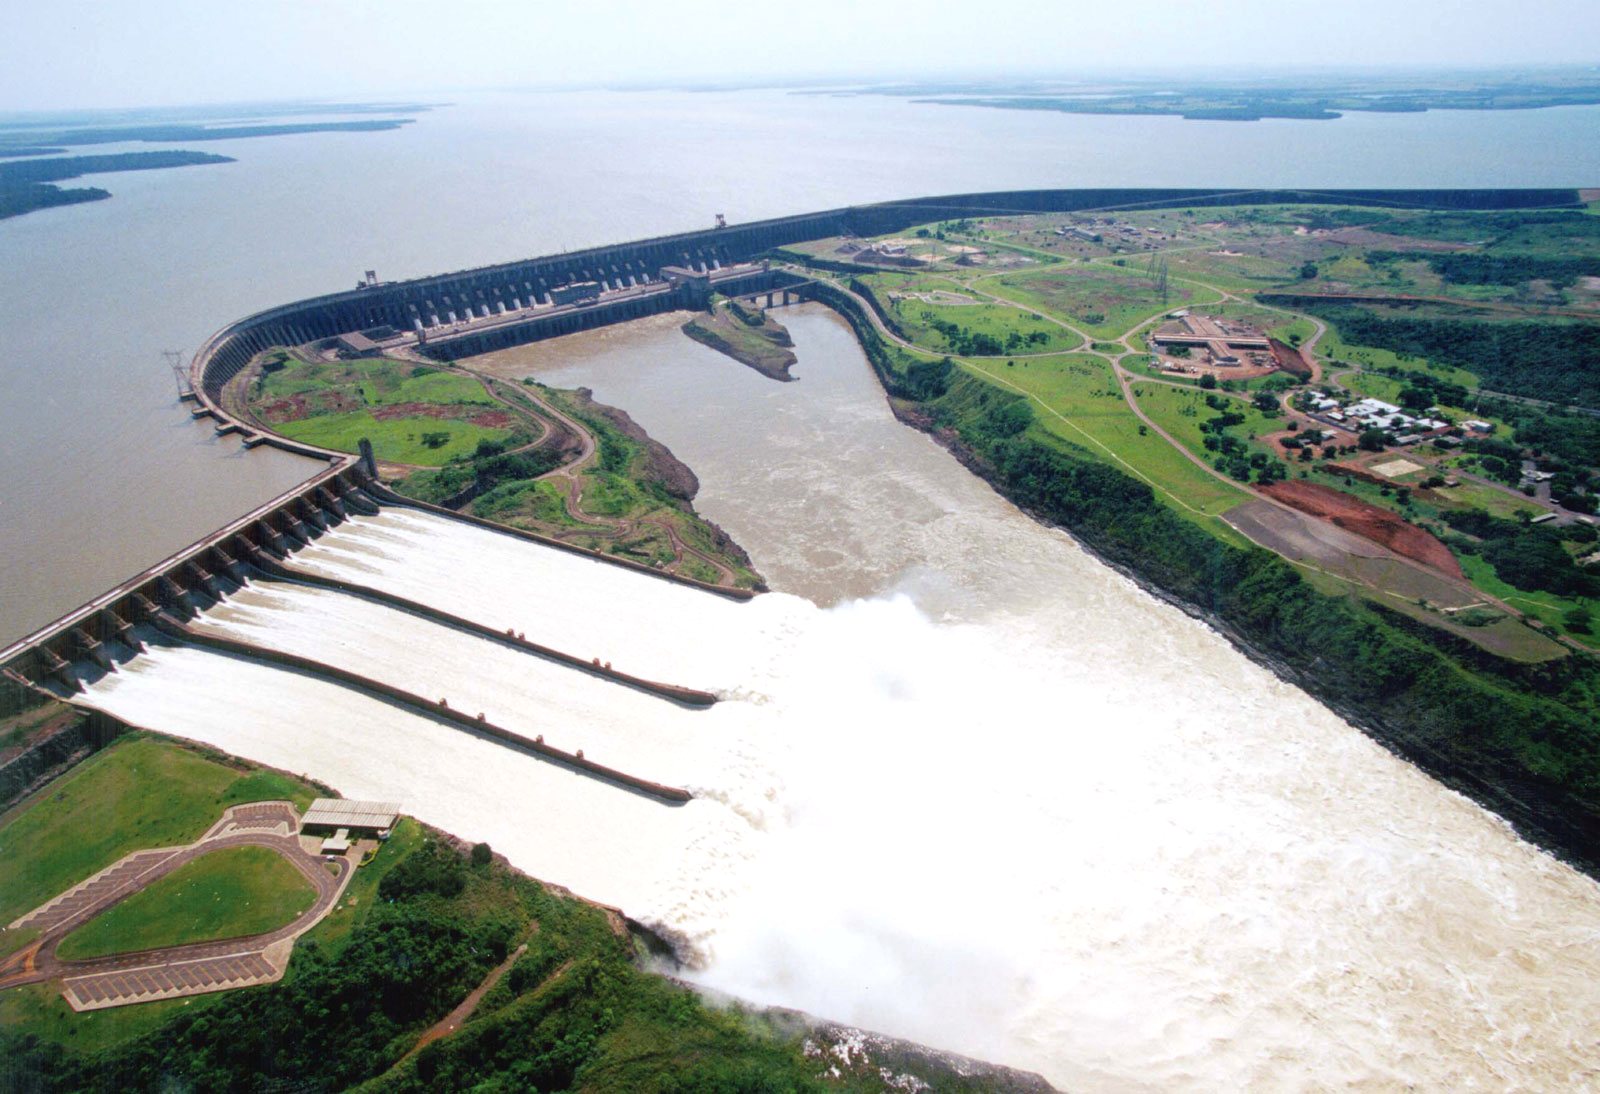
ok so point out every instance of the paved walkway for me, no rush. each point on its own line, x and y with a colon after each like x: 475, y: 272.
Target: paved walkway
x: 174, y: 971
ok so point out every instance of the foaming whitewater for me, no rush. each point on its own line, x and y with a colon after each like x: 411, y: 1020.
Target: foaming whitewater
x: 1002, y: 802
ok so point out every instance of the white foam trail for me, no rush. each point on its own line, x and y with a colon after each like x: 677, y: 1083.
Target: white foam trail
x: 1116, y: 854
x: 570, y: 709
x: 1037, y: 859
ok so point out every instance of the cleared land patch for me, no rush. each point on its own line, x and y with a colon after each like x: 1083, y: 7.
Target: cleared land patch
x: 230, y: 893
x: 968, y: 326
x: 1393, y: 469
x: 1104, y: 301
x: 413, y: 414
x: 1374, y: 523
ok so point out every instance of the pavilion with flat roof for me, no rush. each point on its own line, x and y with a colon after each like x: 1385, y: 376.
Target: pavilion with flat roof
x: 364, y: 818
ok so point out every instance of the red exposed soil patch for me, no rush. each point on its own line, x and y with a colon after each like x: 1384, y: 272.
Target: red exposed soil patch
x: 1289, y: 359
x: 1370, y: 521
x: 293, y: 408
x: 490, y: 419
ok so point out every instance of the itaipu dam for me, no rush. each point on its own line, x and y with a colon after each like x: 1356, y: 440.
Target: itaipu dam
x: 471, y: 312
x: 683, y: 751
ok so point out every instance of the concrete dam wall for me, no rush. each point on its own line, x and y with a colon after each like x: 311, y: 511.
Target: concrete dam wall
x: 492, y: 307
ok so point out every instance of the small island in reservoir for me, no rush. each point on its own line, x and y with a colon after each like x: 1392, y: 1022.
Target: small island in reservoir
x: 748, y: 334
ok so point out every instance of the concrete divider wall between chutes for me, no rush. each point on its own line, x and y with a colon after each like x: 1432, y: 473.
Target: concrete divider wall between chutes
x: 674, y: 692
x: 429, y: 708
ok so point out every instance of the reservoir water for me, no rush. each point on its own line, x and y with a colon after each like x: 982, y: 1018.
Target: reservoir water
x: 965, y: 784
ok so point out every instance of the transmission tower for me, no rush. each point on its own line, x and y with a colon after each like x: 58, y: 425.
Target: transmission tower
x: 180, y: 375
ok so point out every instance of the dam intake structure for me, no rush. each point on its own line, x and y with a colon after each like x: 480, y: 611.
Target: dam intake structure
x: 462, y: 314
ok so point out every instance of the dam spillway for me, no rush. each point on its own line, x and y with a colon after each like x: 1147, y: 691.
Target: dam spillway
x: 254, y: 697
x: 524, y: 693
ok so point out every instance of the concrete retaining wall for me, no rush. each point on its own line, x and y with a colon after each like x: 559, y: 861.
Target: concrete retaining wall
x: 50, y: 757
x: 686, y: 696
x: 429, y: 708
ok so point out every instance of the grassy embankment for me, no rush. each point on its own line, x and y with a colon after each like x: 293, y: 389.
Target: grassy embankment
x: 413, y: 414
x: 419, y: 927
x: 231, y: 893
x: 1517, y: 736
x: 140, y: 792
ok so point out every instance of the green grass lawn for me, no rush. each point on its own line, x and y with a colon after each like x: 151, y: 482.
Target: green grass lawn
x: 379, y: 382
x: 920, y: 320
x: 1102, y: 300
x: 1078, y: 402
x: 1498, y: 503
x: 328, y: 395
x: 231, y: 893
x: 396, y: 439
x: 1181, y: 410
x: 40, y: 1010
x: 142, y: 791
x: 1548, y: 608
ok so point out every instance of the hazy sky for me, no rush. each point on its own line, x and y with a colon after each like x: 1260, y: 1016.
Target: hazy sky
x: 70, y: 53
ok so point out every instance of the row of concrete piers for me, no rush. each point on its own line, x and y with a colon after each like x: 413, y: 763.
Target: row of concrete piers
x: 183, y: 584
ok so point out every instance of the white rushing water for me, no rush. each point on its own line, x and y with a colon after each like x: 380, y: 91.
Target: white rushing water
x: 994, y: 798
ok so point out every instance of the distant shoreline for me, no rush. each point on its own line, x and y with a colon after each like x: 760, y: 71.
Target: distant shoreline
x: 30, y: 165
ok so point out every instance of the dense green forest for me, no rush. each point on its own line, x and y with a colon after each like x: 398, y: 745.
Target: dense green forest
x: 1496, y: 269
x: 1518, y: 737
x: 1556, y: 361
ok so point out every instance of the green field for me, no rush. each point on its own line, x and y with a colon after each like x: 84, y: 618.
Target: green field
x: 1180, y: 411
x: 1547, y: 607
x: 142, y: 791
x: 949, y: 327
x: 231, y: 893
x: 1103, y: 301
x: 331, y: 405
x: 399, y: 440
x: 374, y: 382
x: 1077, y: 401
